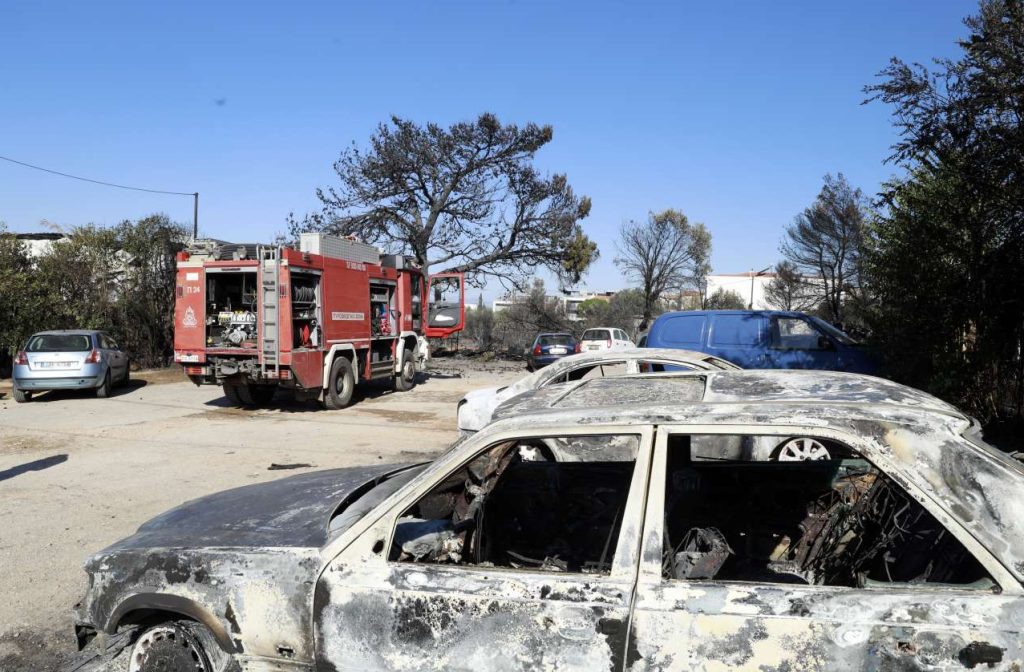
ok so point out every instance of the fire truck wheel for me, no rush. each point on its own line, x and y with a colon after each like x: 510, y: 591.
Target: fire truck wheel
x: 262, y: 394
x: 340, y: 384
x: 231, y: 392
x: 405, y: 380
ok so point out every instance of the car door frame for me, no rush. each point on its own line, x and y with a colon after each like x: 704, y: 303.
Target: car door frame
x: 751, y: 625
x: 356, y: 566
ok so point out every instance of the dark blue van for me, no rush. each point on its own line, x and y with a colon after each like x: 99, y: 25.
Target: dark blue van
x: 762, y: 339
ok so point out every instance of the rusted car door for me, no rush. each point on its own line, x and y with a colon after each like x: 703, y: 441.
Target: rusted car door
x: 702, y: 623
x: 380, y: 606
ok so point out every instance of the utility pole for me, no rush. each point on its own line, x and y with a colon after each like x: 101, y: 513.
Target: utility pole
x: 750, y: 306
x: 195, y: 216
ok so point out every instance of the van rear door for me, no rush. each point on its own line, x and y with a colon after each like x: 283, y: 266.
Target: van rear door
x: 741, y: 338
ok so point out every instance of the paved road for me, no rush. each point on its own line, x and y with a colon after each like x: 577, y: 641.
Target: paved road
x: 77, y: 473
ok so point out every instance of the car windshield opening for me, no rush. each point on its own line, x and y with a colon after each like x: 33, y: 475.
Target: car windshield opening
x: 800, y: 510
x: 59, y: 343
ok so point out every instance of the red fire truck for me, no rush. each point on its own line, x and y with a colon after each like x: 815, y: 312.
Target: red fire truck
x: 318, y: 320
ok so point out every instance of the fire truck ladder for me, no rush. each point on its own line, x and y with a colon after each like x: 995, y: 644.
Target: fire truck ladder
x: 270, y: 346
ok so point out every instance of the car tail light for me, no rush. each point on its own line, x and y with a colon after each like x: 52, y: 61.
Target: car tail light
x: 22, y: 358
x: 536, y: 349
x: 94, y: 357
x: 578, y: 348
x: 609, y: 343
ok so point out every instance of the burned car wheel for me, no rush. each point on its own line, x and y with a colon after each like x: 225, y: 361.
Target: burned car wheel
x: 801, y: 448
x: 170, y: 647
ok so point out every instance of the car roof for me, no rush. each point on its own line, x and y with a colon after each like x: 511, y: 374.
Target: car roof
x: 778, y: 313
x: 671, y: 397
x: 672, y: 354
x: 68, y: 332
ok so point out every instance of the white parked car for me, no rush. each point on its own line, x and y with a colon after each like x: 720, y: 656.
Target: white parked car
x: 605, y: 338
x: 476, y: 407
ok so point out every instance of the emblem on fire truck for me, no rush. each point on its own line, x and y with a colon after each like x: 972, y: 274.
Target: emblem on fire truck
x: 190, y: 318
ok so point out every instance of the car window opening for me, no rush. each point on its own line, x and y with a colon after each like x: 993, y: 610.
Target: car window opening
x: 735, y: 511
x: 553, y: 504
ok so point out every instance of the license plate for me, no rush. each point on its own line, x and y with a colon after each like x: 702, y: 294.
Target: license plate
x: 557, y: 351
x: 56, y: 365
x: 593, y: 347
x: 188, y: 358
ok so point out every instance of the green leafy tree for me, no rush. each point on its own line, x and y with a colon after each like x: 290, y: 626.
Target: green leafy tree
x: 725, y: 299
x: 465, y: 198
x: 23, y: 308
x: 946, y: 253
x: 480, y: 325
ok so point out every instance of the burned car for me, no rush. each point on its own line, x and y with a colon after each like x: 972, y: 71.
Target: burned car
x: 476, y: 408
x: 624, y: 549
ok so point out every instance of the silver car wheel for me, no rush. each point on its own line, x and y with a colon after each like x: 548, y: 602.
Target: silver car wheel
x: 163, y: 637
x: 800, y: 449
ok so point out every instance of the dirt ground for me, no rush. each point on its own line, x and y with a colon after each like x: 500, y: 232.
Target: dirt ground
x: 78, y: 473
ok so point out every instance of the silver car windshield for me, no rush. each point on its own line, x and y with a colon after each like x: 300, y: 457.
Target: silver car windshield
x: 59, y: 343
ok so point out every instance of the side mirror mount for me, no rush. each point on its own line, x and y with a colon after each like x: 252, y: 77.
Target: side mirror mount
x: 825, y: 343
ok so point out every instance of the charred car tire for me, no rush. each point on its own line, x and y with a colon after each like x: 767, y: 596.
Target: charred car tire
x: 340, y: 384
x: 406, y: 378
x: 177, y: 646
x: 103, y: 391
x: 21, y: 396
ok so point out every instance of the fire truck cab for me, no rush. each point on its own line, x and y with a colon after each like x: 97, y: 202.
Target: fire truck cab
x: 318, y: 320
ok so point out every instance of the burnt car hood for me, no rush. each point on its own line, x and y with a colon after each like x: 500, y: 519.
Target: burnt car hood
x: 287, y: 512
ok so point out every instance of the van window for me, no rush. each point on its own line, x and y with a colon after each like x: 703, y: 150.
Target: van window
x: 792, y: 333
x: 743, y: 330
x: 683, y: 331
x: 596, y: 335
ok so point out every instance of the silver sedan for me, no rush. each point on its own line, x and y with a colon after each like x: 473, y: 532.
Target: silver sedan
x: 69, y: 360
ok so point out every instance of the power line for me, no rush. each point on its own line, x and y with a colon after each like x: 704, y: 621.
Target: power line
x: 194, y: 194
x: 106, y: 184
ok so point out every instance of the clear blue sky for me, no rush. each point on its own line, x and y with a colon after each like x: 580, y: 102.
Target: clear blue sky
x: 731, y: 112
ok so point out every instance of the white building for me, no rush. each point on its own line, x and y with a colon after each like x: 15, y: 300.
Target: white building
x: 38, y: 244
x: 750, y: 286
x: 569, y: 300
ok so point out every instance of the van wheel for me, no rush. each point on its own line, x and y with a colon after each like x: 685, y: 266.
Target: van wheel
x: 21, y: 396
x: 406, y: 378
x: 103, y: 391
x: 340, y: 384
